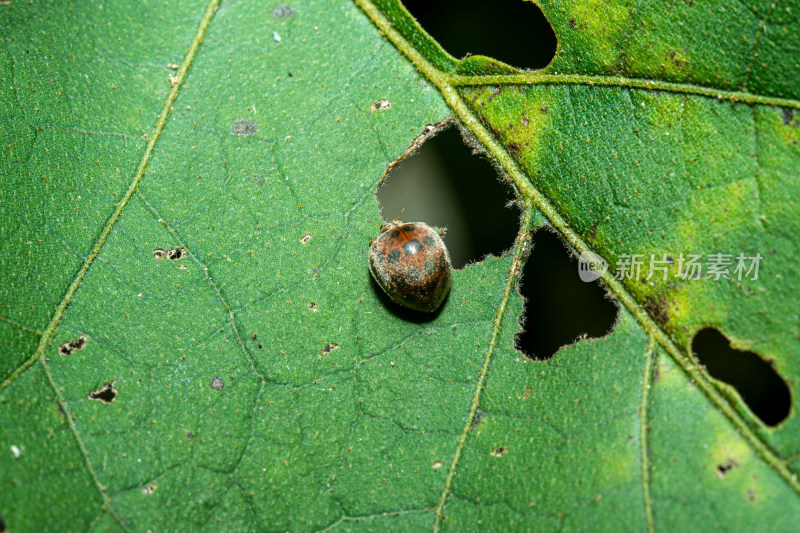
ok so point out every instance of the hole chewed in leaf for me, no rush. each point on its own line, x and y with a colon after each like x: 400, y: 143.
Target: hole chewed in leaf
x: 380, y: 105
x: 70, y: 347
x: 500, y: 451
x: 217, y: 383
x: 559, y: 307
x: 515, y: 32
x: 439, y: 180
x: 763, y: 390
x: 723, y: 468
x: 173, y: 254
x: 106, y: 394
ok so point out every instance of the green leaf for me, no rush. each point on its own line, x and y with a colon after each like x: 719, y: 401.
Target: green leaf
x: 192, y: 336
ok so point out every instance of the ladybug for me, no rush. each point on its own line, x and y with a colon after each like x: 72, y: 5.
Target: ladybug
x: 411, y: 264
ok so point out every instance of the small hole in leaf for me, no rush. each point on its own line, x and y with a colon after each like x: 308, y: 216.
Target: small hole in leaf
x: 106, y: 394
x: 499, y: 452
x: 217, y: 383
x: 515, y: 32
x: 446, y: 185
x: 70, y: 347
x: 723, y: 468
x: 173, y: 254
x: 559, y: 307
x: 760, y: 386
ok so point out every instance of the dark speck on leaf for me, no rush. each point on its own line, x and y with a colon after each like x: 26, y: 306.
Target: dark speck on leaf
x: 788, y: 115
x: 283, y: 12
x: 245, y: 127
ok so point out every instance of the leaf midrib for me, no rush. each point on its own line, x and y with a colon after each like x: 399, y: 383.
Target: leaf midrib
x: 444, y: 83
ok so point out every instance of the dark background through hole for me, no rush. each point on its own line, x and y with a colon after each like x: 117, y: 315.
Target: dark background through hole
x: 514, y: 31
x: 559, y: 307
x: 445, y: 185
x: 761, y: 388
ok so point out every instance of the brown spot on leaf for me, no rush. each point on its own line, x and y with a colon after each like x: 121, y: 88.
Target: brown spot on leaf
x: 217, y: 383
x: 788, y: 115
x: 245, y: 127
x: 658, y: 308
x: 283, y: 12
x: 328, y: 348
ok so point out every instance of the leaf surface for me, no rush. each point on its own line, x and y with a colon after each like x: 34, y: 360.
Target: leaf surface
x: 251, y: 378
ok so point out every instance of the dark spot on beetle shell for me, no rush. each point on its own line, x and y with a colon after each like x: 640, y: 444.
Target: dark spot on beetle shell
x: 414, y: 274
x: 430, y: 267
x: 428, y: 241
x: 411, y: 247
x: 433, y: 285
x: 408, y: 228
x: 395, y: 234
x: 393, y: 257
